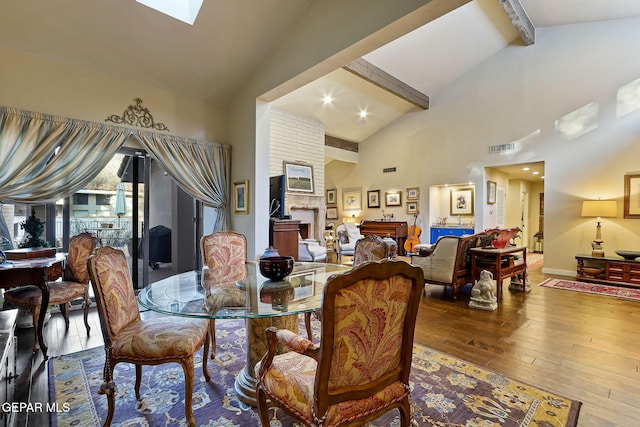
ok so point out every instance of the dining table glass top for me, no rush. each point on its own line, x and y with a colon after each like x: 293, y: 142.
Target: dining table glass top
x: 240, y: 293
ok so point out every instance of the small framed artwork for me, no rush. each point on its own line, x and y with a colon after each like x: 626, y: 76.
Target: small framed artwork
x: 632, y: 196
x: 373, y: 199
x: 413, y: 193
x: 332, y: 200
x: 241, y: 197
x: 332, y: 213
x: 491, y: 192
x: 462, y: 201
x: 352, y: 199
x: 299, y: 177
x: 412, y: 207
x: 393, y: 198
x: 303, y: 284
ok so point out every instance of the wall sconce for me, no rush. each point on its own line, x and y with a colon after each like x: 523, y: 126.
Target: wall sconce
x: 599, y: 209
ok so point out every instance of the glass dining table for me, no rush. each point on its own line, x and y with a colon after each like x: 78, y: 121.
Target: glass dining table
x: 243, y: 293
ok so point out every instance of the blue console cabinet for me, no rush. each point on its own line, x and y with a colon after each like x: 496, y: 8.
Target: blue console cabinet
x: 437, y: 232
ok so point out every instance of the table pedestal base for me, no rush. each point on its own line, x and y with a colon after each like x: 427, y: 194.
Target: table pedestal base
x: 245, y: 385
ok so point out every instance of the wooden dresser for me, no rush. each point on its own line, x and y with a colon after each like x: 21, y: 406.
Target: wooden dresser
x: 608, y: 270
x: 398, y: 230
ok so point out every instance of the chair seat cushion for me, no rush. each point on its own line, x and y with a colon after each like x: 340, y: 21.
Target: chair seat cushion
x: 290, y: 380
x: 165, y: 337
x: 59, y: 293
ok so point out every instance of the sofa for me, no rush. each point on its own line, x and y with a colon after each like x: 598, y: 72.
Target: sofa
x: 447, y: 262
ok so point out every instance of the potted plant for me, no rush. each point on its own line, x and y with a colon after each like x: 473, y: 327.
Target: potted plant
x: 33, y: 227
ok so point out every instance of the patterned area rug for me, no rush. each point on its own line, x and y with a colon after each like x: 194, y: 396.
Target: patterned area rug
x: 446, y: 391
x: 594, y: 288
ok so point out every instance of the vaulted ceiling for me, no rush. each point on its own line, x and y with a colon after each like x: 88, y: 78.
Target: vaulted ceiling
x: 211, y: 59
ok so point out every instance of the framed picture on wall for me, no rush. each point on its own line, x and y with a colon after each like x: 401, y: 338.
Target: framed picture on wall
x: 299, y: 177
x: 352, y: 199
x: 241, y: 197
x: 491, y: 192
x: 393, y: 198
x: 412, y: 207
x: 413, y: 193
x: 373, y: 199
x: 332, y: 199
x: 632, y: 196
x: 462, y: 201
x: 332, y: 213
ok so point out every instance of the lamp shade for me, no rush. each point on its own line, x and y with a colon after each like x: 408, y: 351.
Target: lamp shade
x: 599, y: 208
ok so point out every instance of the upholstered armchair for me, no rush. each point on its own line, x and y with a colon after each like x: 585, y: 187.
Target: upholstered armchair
x: 360, y: 369
x: 74, y: 285
x: 347, y: 234
x: 128, y: 338
x: 224, y: 259
x: 311, y: 250
x: 448, y: 262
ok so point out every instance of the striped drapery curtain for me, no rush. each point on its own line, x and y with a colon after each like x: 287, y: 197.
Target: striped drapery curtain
x: 201, y: 168
x: 44, y: 158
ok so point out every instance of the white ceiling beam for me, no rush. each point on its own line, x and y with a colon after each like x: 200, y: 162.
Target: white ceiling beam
x: 386, y: 81
x: 520, y: 20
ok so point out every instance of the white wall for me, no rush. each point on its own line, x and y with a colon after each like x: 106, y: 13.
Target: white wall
x: 518, y: 95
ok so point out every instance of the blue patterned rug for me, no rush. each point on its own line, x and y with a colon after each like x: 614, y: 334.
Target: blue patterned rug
x: 446, y: 391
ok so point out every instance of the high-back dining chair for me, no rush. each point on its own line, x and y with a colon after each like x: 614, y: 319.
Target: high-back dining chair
x: 74, y: 285
x: 361, y: 367
x: 224, y: 258
x: 128, y: 338
x: 369, y: 248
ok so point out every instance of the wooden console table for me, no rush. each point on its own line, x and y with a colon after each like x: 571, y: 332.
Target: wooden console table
x: 608, y: 270
x: 502, y: 263
x: 283, y: 235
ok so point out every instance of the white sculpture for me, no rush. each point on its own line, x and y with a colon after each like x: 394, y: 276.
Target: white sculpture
x: 483, y: 293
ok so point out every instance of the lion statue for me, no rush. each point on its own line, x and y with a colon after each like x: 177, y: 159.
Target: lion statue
x: 485, y: 288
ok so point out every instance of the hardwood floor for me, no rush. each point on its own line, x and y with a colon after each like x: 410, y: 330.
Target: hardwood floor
x: 582, y: 346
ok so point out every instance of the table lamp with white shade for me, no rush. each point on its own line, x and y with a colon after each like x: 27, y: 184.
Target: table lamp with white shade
x: 599, y: 209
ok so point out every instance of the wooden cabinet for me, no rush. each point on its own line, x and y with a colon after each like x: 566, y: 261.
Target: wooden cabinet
x: 437, y: 232
x: 8, y: 374
x: 283, y: 235
x: 609, y: 270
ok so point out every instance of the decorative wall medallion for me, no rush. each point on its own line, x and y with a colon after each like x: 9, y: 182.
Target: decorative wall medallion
x: 137, y: 115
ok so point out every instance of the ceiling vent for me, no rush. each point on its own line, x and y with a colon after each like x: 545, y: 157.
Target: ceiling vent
x: 389, y: 170
x: 502, y: 148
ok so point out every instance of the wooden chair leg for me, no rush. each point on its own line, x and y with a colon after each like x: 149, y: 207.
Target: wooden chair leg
x: 212, y: 334
x: 64, y: 309
x: 307, y: 324
x: 263, y: 409
x: 187, y: 367
x: 405, y: 412
x: 138, y: 381
x: 205, y: 368
x: 108, y: 388
x: 85, y: 305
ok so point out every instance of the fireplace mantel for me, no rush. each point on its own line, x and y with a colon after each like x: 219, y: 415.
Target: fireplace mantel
x: 295, y: 203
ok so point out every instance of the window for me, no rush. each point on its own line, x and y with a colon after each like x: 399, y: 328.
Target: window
x: 80, y: 199
x: 103, y: 199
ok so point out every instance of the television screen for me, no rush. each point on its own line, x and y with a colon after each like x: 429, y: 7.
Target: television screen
x: 276, y: 196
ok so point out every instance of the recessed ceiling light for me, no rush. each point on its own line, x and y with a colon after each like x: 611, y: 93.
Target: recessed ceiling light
x: 525, y: 169
x: 183, y: 10
x: 327, y: 100
x: 363, y: 114
x: 536, y: 173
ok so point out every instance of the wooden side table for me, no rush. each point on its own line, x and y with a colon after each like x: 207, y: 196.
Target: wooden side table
x: 502, y: 263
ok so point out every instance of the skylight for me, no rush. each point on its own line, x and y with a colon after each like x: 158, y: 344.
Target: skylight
x: 183, y: 10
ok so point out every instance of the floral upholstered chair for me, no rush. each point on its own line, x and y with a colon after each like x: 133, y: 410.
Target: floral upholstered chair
x: 224, y: 259
x: 370, y: 248
x: 74, y: 285
x: 128, y: 338
x: 360, y: 369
